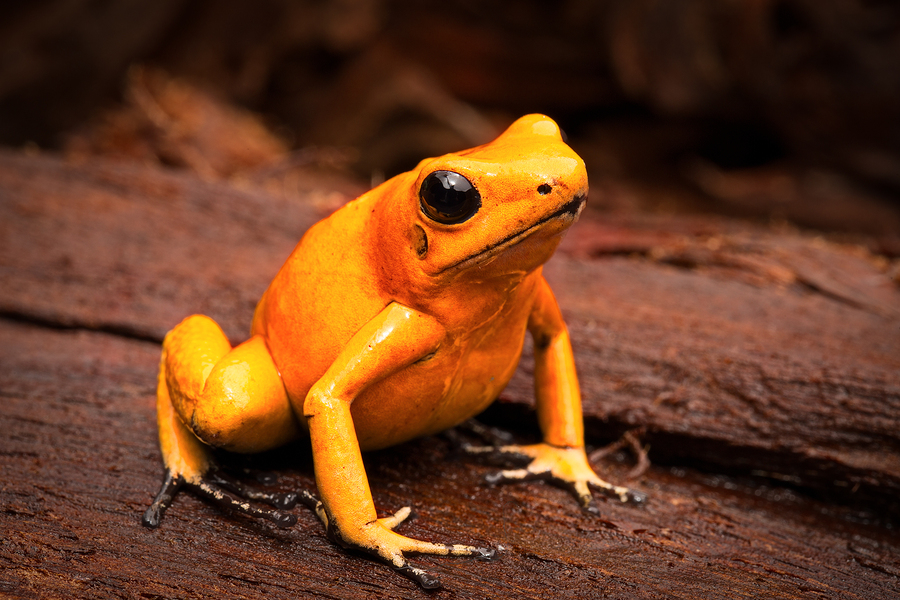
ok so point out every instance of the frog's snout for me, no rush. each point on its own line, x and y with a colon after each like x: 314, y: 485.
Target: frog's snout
x: 573, y: 207
x: 576, y: 204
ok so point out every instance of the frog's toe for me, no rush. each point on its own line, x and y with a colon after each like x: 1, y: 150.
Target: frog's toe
x: 623, y: 494
x: 421, y: 577
x: 281, y: 500
x: 429, y: 582
x: 228, y: 500
x: 583, y: 493
x: 508, y: 454
x: 521, y: 455
x: 635, y: 497
x: 226, y: 493
x: 170, y: 486
x: 395, y: 519
x: 513, y: 475
x: 420, y: 547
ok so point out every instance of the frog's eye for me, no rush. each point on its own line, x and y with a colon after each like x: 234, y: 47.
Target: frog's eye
x: 448, y: 197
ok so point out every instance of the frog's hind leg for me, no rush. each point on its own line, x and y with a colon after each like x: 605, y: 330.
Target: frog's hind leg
x: 209, y: 394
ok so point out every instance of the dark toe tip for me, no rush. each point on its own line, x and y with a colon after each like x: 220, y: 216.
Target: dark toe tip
x: 284, y: 520
x: 494, y: 478
x: 287, y: 500
x: 423, y: 579
x: 485, y: 554
x: 430, y: 583
x: 633, y: 497
x: 151, y: 518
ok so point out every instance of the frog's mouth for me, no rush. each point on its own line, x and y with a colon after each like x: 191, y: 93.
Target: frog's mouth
x: 570, y: 209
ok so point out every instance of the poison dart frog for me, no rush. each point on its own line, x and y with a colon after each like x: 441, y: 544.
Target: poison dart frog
x: 401, y: 315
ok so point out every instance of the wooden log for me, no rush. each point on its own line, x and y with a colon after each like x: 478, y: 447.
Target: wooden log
x: 80, y: 464
x: 695, y: 331
x: 122, y: 248
x: 777, y: 353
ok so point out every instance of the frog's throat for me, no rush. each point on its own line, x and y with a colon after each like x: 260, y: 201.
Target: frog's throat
x: 571, y: 208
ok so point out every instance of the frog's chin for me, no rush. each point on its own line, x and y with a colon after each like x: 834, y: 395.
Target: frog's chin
x: 527, y: 248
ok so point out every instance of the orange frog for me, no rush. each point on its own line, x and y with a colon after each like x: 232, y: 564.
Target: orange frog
x: 401, y: 315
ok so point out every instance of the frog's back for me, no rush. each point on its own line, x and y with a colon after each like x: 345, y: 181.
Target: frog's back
x: 324, y: 293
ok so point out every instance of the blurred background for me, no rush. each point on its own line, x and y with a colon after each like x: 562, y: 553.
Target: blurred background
x: 782, y: 111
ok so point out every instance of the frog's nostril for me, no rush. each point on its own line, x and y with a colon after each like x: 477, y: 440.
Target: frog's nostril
x: 544, y: 189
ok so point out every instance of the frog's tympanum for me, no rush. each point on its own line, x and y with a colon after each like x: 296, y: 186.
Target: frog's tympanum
x: 401, y: 315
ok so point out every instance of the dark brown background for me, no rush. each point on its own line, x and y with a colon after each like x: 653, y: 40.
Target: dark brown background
x: 732, y: 289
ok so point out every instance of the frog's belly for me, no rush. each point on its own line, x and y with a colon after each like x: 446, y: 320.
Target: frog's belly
x: 432, y: 396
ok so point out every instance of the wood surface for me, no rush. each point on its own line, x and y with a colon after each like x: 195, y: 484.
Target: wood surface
x: 760, y: 365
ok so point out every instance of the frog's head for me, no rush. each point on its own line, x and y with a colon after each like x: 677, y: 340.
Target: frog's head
x: 496, y: 209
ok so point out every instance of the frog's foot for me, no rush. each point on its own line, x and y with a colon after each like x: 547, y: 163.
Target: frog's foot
x: 565, y: 466
x: 227, y: 493
x: 378, y: 538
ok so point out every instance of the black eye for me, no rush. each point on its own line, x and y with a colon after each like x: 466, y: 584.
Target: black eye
x: 449, y: 198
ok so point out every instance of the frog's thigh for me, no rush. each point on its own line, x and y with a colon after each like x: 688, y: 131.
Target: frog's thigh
x: 229, y: 398
x: 244, y: 407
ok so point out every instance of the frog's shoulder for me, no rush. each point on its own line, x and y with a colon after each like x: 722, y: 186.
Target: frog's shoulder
x: 355, y: 214
x: 337, y: 239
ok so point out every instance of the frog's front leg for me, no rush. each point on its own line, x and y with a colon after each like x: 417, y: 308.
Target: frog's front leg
x: 393, y: 340
x: 561, y: 457
x: 228, y: 398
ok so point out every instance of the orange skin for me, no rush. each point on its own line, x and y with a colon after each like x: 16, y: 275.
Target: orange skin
x: 385, y: 325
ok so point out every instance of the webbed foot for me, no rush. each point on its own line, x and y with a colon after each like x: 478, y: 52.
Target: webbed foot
x: 568, y: 467
x: 226, y: 492
x: 378, y: 539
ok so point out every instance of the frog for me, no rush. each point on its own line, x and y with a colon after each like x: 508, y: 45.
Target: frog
x: 402, y: 314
